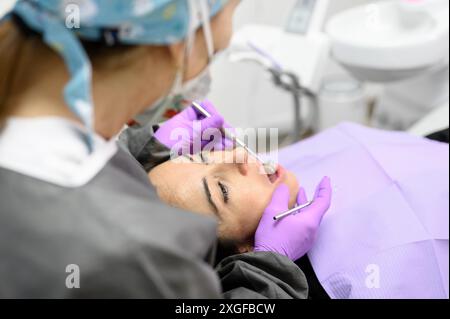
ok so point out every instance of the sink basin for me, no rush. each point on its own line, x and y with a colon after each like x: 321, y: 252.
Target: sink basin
x: 391, y: 40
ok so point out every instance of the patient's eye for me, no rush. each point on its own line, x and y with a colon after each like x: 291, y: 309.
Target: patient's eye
x: 204, y: 158
x: 200, y: 158
x: 224, y: 190
x: 190, y: 158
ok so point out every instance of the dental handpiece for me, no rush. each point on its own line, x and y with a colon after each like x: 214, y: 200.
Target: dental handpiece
x: 268, y: 167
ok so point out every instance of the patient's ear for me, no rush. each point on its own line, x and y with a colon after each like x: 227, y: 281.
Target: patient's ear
x: 245, y: 248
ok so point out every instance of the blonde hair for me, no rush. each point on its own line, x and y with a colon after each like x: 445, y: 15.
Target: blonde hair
x: 12, y: 41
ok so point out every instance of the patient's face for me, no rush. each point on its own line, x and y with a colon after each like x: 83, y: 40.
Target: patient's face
x: 228, y: 185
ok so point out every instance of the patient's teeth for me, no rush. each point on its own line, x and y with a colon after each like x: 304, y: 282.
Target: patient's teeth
x: 270, y: 168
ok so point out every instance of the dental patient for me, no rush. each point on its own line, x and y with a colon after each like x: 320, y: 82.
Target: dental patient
x: 386, y: 234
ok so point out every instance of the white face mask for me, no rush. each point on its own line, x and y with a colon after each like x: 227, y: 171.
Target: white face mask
x: 196, y: 89
x: 180, y: 96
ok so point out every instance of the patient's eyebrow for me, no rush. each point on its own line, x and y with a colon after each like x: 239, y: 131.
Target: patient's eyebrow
x: 209, y: 196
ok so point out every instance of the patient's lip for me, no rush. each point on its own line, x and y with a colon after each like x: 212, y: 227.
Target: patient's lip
x: 279, y: 174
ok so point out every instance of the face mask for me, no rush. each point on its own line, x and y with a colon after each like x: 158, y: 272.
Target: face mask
x: 180, y: 96
x: 196, y: 89
x: 199, y: 87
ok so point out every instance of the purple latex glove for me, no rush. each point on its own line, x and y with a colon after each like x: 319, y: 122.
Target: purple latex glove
x: 191, y: 132
x: 292, y: 236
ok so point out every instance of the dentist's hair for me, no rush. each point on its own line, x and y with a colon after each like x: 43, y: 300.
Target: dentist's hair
x: 21, y: 50
x: 11, y: 43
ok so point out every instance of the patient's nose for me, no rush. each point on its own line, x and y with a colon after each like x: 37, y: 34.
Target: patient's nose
x: 243, y: 169
x: 241, y: 160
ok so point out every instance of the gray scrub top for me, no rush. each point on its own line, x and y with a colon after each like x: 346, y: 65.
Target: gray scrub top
x: 125, y: 242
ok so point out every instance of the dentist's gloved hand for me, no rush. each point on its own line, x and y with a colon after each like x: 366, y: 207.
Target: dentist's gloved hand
x: 191, y: 131
x: 292, y: 236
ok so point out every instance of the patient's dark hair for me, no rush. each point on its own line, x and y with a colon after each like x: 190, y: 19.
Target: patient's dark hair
x: 225, y: 249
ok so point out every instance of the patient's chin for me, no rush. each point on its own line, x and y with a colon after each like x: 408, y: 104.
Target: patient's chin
x: 245, y: 248
x: 229, y: 247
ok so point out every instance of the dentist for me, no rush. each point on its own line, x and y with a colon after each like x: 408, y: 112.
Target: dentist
x: 78, y: 216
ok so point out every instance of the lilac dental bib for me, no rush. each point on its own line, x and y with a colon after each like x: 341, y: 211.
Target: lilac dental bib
x: 386, y: 234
